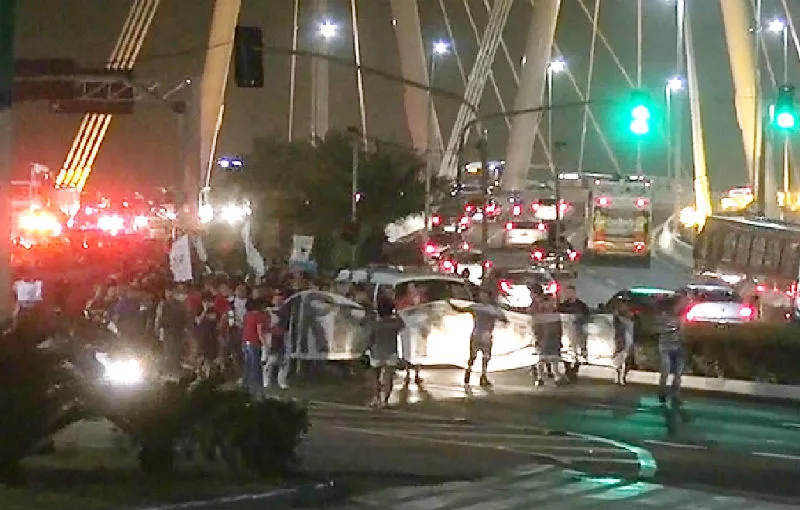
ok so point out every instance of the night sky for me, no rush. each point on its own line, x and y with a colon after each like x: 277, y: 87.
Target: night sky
x: 141, y: 149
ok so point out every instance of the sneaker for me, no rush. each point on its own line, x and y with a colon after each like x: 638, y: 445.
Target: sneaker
x: 485, y: 381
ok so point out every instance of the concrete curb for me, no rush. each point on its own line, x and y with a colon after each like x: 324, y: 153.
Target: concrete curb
x: 319, y: 494
x: 709, y: 384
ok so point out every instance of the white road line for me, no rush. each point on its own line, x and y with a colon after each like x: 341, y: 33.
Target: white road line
x: 677, y: 445
x: 782, y: 456
x: 792, y: 425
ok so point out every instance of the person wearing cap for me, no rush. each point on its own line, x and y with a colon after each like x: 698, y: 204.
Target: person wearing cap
x: 485, y: 315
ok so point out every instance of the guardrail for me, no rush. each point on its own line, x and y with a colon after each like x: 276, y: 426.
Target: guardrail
x: 671, y: 246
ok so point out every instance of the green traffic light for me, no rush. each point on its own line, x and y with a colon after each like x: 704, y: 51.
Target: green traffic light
x: 639, y: 127
x: 640, y: 113
x: 785, y: 120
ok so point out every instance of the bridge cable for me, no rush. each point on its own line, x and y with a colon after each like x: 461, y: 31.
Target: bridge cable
x: 589, y: 79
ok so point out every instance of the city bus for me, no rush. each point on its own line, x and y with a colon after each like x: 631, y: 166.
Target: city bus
x: 758, y: 257
x: 618, y: 219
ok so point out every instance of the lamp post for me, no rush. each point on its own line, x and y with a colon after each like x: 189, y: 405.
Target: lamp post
x: 778, y: 26
x: 673, y: 86
x: 556, y: 66
x: 438, y: 49
x: 327, y: 31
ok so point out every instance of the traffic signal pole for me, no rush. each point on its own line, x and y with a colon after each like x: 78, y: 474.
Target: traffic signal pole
x: 7, y: 21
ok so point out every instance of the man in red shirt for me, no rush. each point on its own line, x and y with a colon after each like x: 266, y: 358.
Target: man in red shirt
x: 255, y: 328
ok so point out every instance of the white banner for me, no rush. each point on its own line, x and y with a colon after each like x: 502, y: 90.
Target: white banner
x: 180, y: 259
x: 254, y: 258
x: 327, y: 326
x: 301, y: 248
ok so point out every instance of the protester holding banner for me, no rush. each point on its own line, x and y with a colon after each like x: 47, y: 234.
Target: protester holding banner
x: 382, y: 349
x: 485, y: 315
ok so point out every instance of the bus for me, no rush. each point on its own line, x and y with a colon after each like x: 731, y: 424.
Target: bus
x: 758, y: 257
x: 618, y: 219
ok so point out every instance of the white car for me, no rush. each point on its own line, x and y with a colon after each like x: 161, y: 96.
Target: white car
x: 716, y: 303
x: 514, y: 290
x: 524, y: 233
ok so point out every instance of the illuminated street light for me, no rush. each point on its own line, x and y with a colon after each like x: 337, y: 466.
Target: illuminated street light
x: 558, y: 65
x: 328, y: 29
x: 776, y: 26
x: 230, y: 163
x: 441, y: 48
x: 674, y: 84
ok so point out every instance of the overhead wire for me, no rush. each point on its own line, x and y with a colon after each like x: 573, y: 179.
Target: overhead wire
x: 362, y: 107
x: 589, y: 79
x: 607, y: 45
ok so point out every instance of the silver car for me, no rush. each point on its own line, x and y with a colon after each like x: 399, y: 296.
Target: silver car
x: 715, y: 303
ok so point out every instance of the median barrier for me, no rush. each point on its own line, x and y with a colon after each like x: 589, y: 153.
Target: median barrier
x: 673, y: 248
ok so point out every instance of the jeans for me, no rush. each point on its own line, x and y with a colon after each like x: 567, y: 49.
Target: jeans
x: 672, y: 362
x: 252, y: 377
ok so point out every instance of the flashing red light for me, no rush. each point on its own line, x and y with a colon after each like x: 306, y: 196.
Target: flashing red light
x: 573, y: 255
x: 642, y: 202
x: 538, y: 254
x: 535, y: 206
x: 505, y: 285
x: 516, y: 210
x: 761, y: 287
x: 430, y: 249
x: 603, y: 201
x: 541, y: 227
x: 509, y: 226
x: 436, y: 220
x: 746, y: 312
x: 552, y: 288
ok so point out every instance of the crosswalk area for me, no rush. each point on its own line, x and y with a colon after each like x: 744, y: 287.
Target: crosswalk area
x: 545, y: 487
x: 586, y: 453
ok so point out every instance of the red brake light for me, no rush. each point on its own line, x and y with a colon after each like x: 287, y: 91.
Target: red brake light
x: 535, y: 206
x: 541, y: 227
x: 538, y: 254
x: 691, y: 315
x: 491, y: 208
x: 509, y: 226
x: 436, y: 219
x: 430, y: 249
x: 746, y: 312
x: 505, y: 286
x: 448, y: 265
x: 516, y: 210
x: 572, y: 254
x: 552, y: 288
x: 639, y: 246
x: 469, y: 208
x: 487, y: 264
x: 603, y: 201
x: 761, y: 287
x: 465, y: 246
x: 464, y: 220
x: 642, y: 202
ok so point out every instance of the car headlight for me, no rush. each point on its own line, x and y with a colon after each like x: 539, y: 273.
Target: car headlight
x: 122, y: 371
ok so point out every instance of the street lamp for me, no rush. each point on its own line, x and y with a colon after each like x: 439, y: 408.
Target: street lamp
x: 674, y: 85
x: 439, y: 48
x: 557, y: 65
x: 779, y: 26
x: 328, y: 29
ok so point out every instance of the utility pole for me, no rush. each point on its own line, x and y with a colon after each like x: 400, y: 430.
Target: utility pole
x: 7, y: 22
x: 354, y: 195
x: 483, y: 147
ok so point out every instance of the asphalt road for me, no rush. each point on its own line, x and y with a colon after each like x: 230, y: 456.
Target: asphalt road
x: 712, y: 444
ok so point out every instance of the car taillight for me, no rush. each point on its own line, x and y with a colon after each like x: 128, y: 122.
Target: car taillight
x: 465, y: 246
x: 505, y: 286
x: 572, y: 254
x: 535, y: 206
x: 746, y: 312
x: 541, y: 227
x: 491, y: 208
x: 509, y: 226
x: 691, y: 314
x: 487, y: 264
x: 603, y: 201
x: 516, y: 210
x: 430, y: 249
x: 552, y: 288
x: 538, y: 254
x: 761, y: 287
x: 436, y: 219
x: 642, y: 203
x: 448, y: 265
x: 464, y: 220
x: 563, y: 207
x: 639, y: 246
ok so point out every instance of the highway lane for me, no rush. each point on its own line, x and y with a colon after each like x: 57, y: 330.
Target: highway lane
x: 715, y: 443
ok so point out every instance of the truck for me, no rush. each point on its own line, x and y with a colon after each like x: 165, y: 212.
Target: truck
x: 618, y: 219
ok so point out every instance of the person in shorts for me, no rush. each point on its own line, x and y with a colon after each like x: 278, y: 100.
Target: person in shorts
x: 485, y: 314
x: 382, y: 349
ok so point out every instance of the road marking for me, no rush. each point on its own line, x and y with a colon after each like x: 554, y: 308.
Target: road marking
x: 677, y: 445
x: 782, y: 456
x: 792, y: 425
x: 648, y: 467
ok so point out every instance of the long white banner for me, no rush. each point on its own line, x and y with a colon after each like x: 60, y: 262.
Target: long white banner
x: 327, y: 326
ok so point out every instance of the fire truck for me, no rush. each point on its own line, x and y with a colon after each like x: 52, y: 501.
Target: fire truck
x: 618, y: 219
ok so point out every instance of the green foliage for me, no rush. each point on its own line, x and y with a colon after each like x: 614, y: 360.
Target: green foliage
x: 307, y: 187
x: 159, y: 415
x: 38, y: 396
x: 260, y: 436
